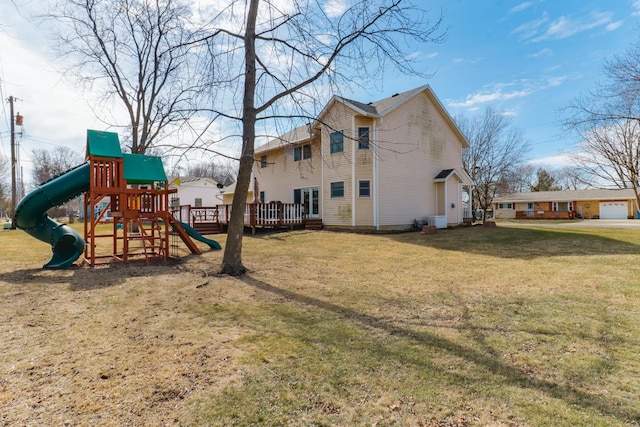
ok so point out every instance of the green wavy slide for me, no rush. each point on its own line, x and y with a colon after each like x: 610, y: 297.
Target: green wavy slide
x: 31, y: 215
x: 196, y: 235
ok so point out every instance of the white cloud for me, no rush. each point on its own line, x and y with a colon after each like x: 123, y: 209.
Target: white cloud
x: 636, y: 7
x: 335, y: 8
x: 543, y: 52
x: 529, y: 29
x: 521, y: 7
x: 565, y: 26
x: 494, y: 94
x: 556, y: 161
x: 614, y: 25
x: 507, y: 91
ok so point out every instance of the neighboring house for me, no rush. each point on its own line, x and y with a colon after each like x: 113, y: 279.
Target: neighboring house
x: 228, y: 191
x: 603, y: 204
x: 195, y: 192
x: 376, y: 166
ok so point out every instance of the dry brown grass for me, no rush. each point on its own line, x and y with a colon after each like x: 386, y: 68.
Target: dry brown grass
x: 467, y: 327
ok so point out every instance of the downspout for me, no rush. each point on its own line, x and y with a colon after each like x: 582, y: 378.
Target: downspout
x: 353, y: 171
x: 376, y: 213
x: 322, y: 162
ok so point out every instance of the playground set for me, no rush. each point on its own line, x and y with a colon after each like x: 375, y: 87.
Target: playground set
x: 136, y: 192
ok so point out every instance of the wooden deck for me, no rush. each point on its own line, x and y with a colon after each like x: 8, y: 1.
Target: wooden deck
x: 215, y: 219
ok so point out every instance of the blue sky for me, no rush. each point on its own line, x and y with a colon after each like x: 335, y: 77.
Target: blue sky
x: 528, y: 59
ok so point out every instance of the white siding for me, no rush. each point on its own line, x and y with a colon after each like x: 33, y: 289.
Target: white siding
x: 282, y: 174
x: 416, y: 143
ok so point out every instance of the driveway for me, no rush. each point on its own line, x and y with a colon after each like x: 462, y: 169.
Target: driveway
x: 593, y: 223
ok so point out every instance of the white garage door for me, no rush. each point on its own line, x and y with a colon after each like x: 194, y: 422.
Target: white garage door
x: 613, y: 210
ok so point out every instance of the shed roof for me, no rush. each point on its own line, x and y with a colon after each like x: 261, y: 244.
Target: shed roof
x: 103, y: 144
x: 141, y: 169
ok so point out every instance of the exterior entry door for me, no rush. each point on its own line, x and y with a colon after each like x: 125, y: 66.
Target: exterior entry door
x: 310, y: 199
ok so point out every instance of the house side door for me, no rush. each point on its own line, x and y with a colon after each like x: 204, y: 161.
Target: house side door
x: 310, y: 198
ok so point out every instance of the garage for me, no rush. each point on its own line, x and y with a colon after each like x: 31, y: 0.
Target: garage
x: 614, y: 210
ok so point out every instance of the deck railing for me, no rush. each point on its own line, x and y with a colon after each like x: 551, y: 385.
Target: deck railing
x: 256, y: 214
x: 545, y: 215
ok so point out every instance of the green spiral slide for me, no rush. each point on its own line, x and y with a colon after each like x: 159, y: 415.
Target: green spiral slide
x: 31, y: 215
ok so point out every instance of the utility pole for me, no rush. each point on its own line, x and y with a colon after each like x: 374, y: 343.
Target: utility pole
x: 14, y: 195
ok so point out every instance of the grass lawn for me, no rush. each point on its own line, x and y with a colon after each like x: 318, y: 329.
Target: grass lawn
x: 518, y: 326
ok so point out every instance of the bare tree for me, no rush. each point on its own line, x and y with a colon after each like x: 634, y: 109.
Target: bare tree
x: 285, y: 57
x: 517, y: 180
x: 222, y: 171
x: 138, y: 53
x: 48, y: 164
x: 5, y: 172
x: 495, y: 149
x: 573, y: 178
x: 608, y: 121
x: 545, y: 181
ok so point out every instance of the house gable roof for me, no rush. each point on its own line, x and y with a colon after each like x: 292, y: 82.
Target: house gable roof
x: 191, y: 181
x: 294, y: 136
x: 377, y: 109
x: 387, y: 105
x: 445, y: 174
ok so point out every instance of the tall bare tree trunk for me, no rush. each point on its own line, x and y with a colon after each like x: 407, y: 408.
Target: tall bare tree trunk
x: 232, y: 260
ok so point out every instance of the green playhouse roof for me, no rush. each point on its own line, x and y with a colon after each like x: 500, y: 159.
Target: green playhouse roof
x: 103, y: 144
x: 141, y: 169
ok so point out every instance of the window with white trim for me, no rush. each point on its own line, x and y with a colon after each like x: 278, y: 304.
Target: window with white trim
x: 337, y: 190
x: 336, y: 143
x: 505, y: 205
x: 302, y: 152
x: 364, y: 188
x: 363, y: 138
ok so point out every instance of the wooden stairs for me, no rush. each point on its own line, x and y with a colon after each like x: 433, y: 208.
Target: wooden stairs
x: 313, y: 224
x: 207, y: 227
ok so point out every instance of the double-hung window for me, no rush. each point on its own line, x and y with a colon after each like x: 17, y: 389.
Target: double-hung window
x: 336, y: 142
x: 363, y: 138
x: 364, y: 188
x: 337, y: 190
x: 302, y: 152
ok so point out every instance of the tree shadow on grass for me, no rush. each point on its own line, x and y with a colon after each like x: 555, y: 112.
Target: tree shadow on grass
x: 524, y: 243
x: 489, y: 361
x: 85, y: 278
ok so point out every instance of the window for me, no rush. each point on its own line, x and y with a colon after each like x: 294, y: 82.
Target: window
x: 297, y: 196
x: 505, y: 206
x: 262, y: 196
x: 337, y: 189
x: 337, y: 142
x: 364, y: 188
x: 198, y: 202
x: 263, y: 161
x: 562, y: 206
x: 363, y: 138
x: 302, y: 152
x: 529, y: 206
x: 175, y: 202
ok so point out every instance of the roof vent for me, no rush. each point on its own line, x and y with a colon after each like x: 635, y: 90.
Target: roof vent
x: 394, y: 95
